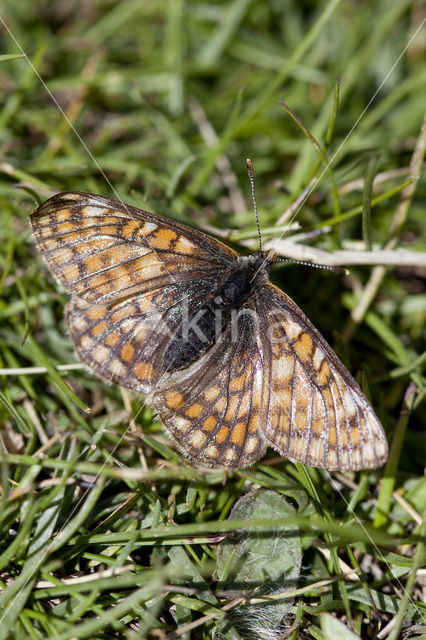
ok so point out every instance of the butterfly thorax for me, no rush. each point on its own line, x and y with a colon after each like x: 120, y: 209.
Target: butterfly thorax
x: 203, y: 326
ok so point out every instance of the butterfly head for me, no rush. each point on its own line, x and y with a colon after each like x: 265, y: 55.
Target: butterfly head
x: 257, y: 267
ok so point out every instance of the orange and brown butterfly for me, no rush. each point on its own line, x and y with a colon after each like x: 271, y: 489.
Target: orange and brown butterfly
x: 230, y: 363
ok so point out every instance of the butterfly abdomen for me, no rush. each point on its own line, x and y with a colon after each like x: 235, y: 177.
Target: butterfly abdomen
x: 202, y: 328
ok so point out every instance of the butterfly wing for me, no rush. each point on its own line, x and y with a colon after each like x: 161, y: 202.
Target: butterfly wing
x: 132, y: 274
x: 125, y: 341
x: 317, y: 414
x: 213, y: 409
x: 103, y: 251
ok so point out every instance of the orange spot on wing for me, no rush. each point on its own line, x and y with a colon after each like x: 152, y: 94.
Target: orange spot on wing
x: 354, y: 436
x: 93, y: 264
x: 210, y: 423
x: 253, y: 423
x: 304, y: 346
x: 96, y: 313
x: 123, y: 313
x: 343, y: 438
x: 99, y: 328
x: 194, y: 411
x: 108, y: 230
x: 236, y: 384
x: 70, y: 271
x: 112, y: 339
x: 328, y: 401
x: 174, y: 399
x: 238, y: 433
x: 317, y: 427
x: 129, y: 229
x: 185, y: 246
x: 324, y: 373
x: 144, y: 370
x: 66, y: 226
x: 332, y: 437
x: 127, y: 352
x: 162, y: 238
x: 222, y: 434
x: 72, y: 237
x: 63, y: 214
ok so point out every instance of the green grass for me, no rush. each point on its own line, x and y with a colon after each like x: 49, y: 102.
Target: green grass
x: 106, y: 532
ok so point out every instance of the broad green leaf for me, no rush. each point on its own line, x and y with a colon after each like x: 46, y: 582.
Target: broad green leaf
x: 333, y: 629
x: 260, y: 563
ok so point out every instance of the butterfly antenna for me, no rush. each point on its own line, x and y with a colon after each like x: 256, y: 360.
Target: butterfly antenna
x: 250, y: 172
x: 314, y: 265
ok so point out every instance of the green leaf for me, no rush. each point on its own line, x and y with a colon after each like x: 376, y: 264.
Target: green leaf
x: 11, y: 56
x: 333, y: 629
x: 260, y: 564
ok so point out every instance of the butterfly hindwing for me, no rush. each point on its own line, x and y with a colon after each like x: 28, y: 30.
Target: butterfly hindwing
x: 124, y: 342
x: 214, y: 410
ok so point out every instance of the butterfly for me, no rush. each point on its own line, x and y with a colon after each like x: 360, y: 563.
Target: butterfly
x: 228, y: 360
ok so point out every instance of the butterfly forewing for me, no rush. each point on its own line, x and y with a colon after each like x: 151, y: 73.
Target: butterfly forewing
x: 103, y: 251
x: 318, y: 415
